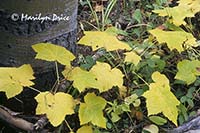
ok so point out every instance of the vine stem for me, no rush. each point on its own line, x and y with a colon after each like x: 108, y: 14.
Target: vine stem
x: 141, y: 78
x: 68, y: 126
x: 57, y: 73
x: 34, y: 89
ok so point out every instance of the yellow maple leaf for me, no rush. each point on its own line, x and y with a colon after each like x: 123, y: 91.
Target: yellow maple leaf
x: 92, y: 110
x: 194, y: 5
x: 132, y: 57
x: 174, y: 39
x: 82, y: 79
x: 56, y: 107
x: 186, y: 8
x: 99, y: 39
x: 85, y: 129
x: 187, y: 71
x: 12, y: 79
x: 51, y: 52
x: 106, y: 77
x: 159, y: 98
x: 101, y: 77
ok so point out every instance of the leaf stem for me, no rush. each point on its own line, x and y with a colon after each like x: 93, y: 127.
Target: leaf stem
x: 68, y: 126
x: 34, y: 89
x: 57, y: 73
x: 140, y: 78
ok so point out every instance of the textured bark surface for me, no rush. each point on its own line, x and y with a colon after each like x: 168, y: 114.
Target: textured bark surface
x: 16, y: 37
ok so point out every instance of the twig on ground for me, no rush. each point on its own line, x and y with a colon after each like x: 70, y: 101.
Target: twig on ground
x: 11, y: 118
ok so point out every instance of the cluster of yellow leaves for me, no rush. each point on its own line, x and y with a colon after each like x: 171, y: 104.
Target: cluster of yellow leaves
x: 186, y: 8
x: 12, y: 80
x: 159, y: 98
x: 56, y: 106
x: 101, y: 76
x: 174, y: 39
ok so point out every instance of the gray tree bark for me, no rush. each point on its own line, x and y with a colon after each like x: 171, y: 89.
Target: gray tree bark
x: 17, y: 35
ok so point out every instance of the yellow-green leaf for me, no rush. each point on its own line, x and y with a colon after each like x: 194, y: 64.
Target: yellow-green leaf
x: 56, y: 107
x: 82, y: 79
x: 13, y: 79
x: 99, y: 39
x: 101, y: 77
x: 188, y: 70
x: 151, y: 128
x: 106, y: 77
x: 92, y: 110
x: 51, y: 52
x: 174, y: 39
x: 132, y: 57
x: 186, y: 8
x: 159, y: 98
x: 85, y: 129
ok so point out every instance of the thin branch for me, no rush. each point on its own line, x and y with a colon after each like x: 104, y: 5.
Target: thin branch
x: 11, y: 118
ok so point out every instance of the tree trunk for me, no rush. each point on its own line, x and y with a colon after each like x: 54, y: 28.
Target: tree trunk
x: 17, y: 35
x: 18, y: 32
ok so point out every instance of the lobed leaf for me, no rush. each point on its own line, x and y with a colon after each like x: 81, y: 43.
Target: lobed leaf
x: 56, y: 107
x: 99, y: 39
x: 101, y: 77
x: 106, y: 77
x: 188, y: 70
x: 159, y: 98
x: 51, y: 52
x: 132, y: 57
x: 12, y: 79
x: 85, y: 129
x: 82, y: 79
x: 92, y: 110
x: 174, y: 39
x: 186, y: 8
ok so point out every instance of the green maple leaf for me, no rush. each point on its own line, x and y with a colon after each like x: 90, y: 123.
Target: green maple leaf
x: 92, y: 110
x: 51, y: 52
x: 56, y: 107
x: 159, y: 98
x: 12, y: 79
x: 174, y: 39
x: 188, y: 70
